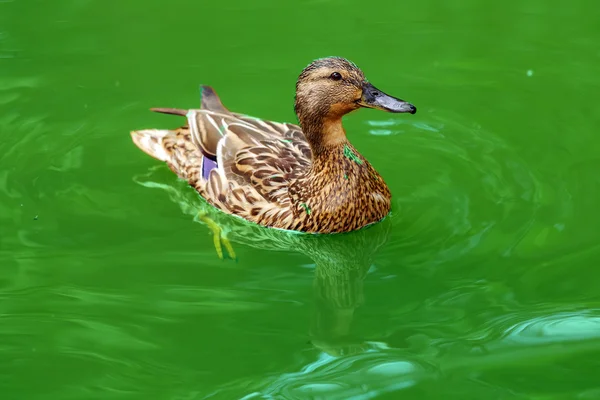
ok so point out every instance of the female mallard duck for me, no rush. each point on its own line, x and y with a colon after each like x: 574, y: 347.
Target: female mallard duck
x: 305, y: 178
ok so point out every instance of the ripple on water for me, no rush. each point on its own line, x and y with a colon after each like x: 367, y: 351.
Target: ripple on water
x: 559, y: 327
x: 104, y: 341
x: 360, y: 376
x: 457, y: 188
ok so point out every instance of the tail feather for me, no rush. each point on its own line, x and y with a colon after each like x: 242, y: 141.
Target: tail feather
x: 151, y: 142
x: 176, y: 149
x: 173, y: 111
x: 209, y: 100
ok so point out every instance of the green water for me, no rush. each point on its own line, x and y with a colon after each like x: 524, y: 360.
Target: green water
x: 483, y: 284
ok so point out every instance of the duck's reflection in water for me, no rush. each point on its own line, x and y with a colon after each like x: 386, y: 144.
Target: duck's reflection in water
x: 342, y: 264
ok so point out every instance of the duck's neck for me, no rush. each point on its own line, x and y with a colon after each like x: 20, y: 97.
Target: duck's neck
x: 324, y: 135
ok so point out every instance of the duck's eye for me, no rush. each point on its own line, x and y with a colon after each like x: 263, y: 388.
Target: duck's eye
x: 336, y: 76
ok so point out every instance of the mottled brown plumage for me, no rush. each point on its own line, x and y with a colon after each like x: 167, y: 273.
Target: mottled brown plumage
x: 280, y: 175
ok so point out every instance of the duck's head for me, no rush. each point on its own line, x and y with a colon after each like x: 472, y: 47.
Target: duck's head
x: 331, y: 87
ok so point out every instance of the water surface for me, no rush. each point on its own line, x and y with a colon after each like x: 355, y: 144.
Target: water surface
x: 483, y: 283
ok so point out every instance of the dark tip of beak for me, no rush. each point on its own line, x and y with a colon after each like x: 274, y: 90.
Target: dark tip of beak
x: 405, y: 107
x: 375, y: 98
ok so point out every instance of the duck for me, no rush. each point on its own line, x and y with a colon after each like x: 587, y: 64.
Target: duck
x: 304, y: 177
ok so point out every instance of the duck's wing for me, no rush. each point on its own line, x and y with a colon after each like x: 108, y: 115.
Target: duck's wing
x: 251, y: 160
x: 208, y: 124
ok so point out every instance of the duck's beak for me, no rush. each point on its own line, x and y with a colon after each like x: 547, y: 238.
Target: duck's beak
x: 375, y: 98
